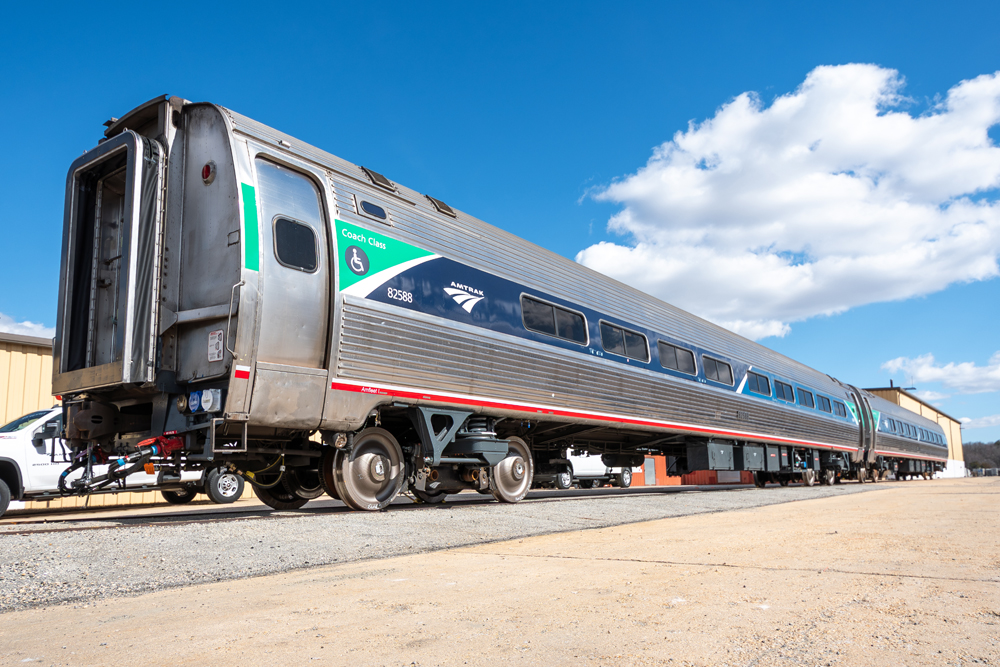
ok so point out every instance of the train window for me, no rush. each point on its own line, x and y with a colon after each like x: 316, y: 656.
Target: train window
x: 806, y: 398
x: 538, y: 316
x: 824, y: 403
x: 295, y: 245
x: 612, y: 339
x: 571, y: 326
x: 624, y: 342
x: 635, y: 345
x: 552, y: 320
x: 676, y: 358
x: 840, y: 409
x: 784, y: 391
x: 374, y: 210
x: 718, y: 371
x: 758, y: 384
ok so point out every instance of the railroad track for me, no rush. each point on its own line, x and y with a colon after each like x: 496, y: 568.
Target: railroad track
x: 151, y: 517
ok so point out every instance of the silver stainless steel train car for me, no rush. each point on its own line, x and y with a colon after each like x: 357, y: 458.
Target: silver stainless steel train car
x: 233, y: 297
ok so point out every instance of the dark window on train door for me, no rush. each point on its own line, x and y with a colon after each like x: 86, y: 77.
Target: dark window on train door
x: 624, y: 342
x: 784, y: 391
x: 806, y: 398
x: 295, y: 245
x: 824, y: 403
x: 676, y: 358
x: 544, y: 318
x: 758, y: 384
x: 840, y: 409
x: 716, y: 370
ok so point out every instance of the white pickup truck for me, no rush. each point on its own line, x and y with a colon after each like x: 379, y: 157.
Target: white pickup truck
x: 590, y: 472
x: 33, y: 456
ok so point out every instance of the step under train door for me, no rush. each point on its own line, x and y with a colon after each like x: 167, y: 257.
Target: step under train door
x: 295, y: 277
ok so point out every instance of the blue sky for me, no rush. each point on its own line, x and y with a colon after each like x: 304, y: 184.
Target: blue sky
x: 527, y: 115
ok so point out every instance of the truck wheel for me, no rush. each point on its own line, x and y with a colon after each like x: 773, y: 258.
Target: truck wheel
x: 564, y: 480
x: 4, y: 497
x: 182, y: 497
x: 625, y: 478
x: 222, y: 486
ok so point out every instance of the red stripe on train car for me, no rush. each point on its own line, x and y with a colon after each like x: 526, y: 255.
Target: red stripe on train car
x: 402, y: 392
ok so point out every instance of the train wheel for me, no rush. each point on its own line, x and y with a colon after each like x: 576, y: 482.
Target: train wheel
x: 278, y: 498
x: 431, y: 498
x: 371, y: 476
x: 809, y: 477
x: 783, y: 480
x: 564, y: 480
x: 862, y: 475
x: 511, y: 478
x: 875, y: 475
x: 326, y: 472
x: 758, y: 480
x: 303, y: 482
x: 829, y: 477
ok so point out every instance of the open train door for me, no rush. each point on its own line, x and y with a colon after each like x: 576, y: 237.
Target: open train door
x: 111, y: 257
x: 295, y: 281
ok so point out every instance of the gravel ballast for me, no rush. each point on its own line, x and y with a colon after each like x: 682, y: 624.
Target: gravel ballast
x: 77, y: 566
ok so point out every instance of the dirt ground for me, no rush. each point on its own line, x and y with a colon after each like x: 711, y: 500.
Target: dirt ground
x: 908, y: 574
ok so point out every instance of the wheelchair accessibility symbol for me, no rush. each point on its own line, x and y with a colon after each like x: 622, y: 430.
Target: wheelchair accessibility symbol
x: 357, y: 260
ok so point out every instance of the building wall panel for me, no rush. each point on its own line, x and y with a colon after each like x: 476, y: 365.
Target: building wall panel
x: 25, y: 378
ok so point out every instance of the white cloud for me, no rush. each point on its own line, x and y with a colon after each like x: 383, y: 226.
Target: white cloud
x: 931, y: 396
x: 9, y: 325
x: 965, y: 377
x: 832, y: 197
x: 981, y: 422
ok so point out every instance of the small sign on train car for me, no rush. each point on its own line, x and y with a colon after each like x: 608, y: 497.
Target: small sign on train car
x: 215, y: 345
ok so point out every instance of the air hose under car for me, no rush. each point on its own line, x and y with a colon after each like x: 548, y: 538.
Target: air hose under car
x: 252, y: 475
x: 121, y: 467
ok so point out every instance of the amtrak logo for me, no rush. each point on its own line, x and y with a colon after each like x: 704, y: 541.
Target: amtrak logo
x: 465, y: 296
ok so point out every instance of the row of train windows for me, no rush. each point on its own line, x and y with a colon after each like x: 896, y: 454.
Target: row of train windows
x: 914, y: 432
x: 760, y: 384
x: 552, y: 320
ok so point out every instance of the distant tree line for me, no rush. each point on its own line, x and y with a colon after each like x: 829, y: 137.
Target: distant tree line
x: 981, y: 454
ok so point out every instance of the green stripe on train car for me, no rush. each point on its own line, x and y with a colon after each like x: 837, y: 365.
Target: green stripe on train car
x: 251, y: 244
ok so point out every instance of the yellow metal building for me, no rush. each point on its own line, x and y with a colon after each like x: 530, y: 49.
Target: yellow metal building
x: 952, y: 427
x: 25, y: 375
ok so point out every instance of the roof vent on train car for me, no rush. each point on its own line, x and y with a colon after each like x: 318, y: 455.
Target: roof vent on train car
x: 441, y: 206
x: 378, y: 179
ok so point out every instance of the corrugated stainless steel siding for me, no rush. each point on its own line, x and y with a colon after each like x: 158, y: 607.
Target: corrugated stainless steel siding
x: 489, y: 248
x: 387, y: 344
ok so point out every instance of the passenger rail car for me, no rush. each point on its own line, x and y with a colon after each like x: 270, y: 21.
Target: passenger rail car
x: 231, y: 295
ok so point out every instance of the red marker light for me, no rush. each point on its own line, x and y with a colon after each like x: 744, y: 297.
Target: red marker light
x: 208, y: 172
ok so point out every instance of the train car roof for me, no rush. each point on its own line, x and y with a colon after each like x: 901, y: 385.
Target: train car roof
x: 493, y: 249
